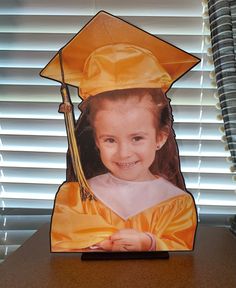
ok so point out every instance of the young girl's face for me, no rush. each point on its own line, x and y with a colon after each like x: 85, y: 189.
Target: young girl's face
x: 127, y: 138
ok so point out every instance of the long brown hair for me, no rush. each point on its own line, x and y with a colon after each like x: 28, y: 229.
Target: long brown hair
x: 166, y: 162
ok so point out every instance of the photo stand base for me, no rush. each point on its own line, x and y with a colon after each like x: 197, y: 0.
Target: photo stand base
x: 124, y: 255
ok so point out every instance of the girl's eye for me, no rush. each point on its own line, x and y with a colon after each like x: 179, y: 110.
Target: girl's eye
x: 137, y: 138
x: 109, y: 140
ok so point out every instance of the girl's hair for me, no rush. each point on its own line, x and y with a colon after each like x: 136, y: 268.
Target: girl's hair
x: 166, y: 162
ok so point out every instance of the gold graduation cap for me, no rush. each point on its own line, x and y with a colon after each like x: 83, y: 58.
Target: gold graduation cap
x: 109, y: 54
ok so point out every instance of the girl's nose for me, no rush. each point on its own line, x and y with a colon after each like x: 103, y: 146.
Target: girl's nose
x: 124, y: 150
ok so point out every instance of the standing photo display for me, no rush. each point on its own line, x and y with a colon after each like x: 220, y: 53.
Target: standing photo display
x: 124, y: 190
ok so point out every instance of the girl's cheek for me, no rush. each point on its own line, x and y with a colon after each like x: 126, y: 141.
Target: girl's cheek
x: 108, y: 146
x: 108, y: 149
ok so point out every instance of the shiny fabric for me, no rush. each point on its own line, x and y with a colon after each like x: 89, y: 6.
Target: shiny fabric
x: 109, y: 53
x: 77, y: 225
x: 122, y: 66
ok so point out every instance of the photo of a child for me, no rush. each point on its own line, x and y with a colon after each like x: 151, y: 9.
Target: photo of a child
x: 129, y: 156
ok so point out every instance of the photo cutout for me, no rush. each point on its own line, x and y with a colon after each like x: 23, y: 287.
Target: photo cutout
x: 124, y: 190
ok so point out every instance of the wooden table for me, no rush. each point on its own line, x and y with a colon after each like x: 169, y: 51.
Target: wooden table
x: 212, y: 264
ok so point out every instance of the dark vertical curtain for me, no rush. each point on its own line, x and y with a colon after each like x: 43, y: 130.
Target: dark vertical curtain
x: 222, y: 18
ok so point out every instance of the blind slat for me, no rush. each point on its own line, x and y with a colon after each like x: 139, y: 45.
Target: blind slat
x: 49, y: 94
x: 23, y: 222
x: 38, y: 59
x: 57, y: 176
x: 25, y: 76
x: 81, y: 7
x: 49, y: 111
x: 53, y: 42
x: 183, y: 131
x: 26, y: 203
x: 59, y: 145
x: 15, y: 237
x: 56, y: 160
x: 72, y: 24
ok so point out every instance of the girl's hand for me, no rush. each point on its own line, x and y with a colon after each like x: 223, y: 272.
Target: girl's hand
x: 130, y: 240
x: 105, y: 245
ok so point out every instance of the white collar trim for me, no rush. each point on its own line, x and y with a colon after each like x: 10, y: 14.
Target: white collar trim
x: 128, y: 198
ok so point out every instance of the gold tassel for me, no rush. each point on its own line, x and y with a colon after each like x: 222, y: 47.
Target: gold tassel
x: 67, y: 108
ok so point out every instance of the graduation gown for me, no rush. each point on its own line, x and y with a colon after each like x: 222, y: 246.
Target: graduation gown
x: 168, y: 213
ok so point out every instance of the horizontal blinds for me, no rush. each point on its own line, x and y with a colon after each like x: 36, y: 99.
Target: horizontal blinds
x: 33, y: 139
x: 90, y: 7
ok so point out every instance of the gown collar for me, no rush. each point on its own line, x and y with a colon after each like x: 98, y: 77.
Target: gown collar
x: 128, y: 198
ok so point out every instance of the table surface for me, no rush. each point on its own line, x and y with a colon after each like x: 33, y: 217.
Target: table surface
x: 211, y: 264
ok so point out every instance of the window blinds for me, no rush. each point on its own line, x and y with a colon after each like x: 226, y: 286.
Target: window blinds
x: 33, y: 138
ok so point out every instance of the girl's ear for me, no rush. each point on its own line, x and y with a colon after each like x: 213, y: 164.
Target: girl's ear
x: 162, y: 137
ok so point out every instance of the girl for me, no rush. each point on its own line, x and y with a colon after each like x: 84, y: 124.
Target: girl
x: 129, y: 155
x: 137, y: 199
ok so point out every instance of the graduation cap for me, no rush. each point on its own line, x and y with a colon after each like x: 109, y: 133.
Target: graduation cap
x: 110, y: 54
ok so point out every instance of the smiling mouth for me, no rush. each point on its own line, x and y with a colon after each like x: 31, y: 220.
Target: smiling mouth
x: 126, y: 165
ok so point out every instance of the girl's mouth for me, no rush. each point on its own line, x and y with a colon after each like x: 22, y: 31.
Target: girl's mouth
x: 126, y: 165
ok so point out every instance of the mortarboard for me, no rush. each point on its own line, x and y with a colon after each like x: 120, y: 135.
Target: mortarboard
x: 109, y: 53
